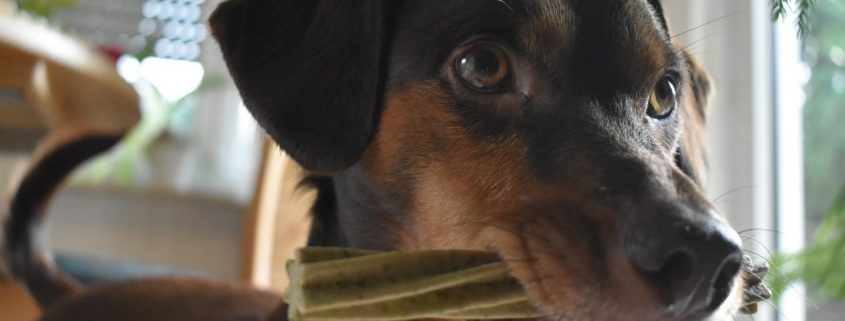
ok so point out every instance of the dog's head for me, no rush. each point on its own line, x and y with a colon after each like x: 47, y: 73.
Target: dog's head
x: 564, y: 134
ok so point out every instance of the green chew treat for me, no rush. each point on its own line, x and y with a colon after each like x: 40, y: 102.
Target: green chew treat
x: 344, y: 284
x: 323, y: 297
x: 318, y: 254
x: 339, y: 284
x: 515, y: 310
x: 383, y: 266
x: 436, y: 304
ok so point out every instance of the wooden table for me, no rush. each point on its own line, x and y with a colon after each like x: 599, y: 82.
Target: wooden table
x: 15, y: 303
x: 53, y: 87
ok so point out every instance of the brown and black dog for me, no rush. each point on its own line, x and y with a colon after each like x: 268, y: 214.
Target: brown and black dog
x: 565, y: 135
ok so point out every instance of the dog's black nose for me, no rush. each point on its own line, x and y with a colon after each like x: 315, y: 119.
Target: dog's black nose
x: 690, y: 259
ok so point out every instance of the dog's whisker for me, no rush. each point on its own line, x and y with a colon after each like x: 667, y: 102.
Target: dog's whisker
x: 792, y: 287
x: 780, y: 275
x: 781, y: 315
x: 759, y: 230
x: 732, y: 191
x: 705, y: 37
x: 688, y: 46
x: 702, y: 53
x: 758, y: 255
x: 762, y: 245
x: 706, y: 24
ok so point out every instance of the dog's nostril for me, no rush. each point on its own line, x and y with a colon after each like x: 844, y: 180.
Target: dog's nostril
x: 677, y: 268
x: 724, y: 282
x: 690, y: 263
x: 692, y: 283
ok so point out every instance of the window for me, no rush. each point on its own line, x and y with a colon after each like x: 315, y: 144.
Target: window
x: 195, y: 138
x: 810, y: 89
x: 186, y: 173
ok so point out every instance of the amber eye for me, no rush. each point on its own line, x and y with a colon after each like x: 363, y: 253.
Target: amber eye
x: 663, y: 98
x: 484, y: 68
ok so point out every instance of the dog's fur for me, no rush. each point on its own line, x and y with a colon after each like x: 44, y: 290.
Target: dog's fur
x: 596, y: 206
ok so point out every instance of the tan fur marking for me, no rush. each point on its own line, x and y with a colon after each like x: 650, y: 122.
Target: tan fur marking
x: 548, y: 35
x: 456, y: 178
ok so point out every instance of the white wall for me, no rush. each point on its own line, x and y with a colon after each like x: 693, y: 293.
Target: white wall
x: 175, y: 231
x: 721, y: 34
x: 181, y: 232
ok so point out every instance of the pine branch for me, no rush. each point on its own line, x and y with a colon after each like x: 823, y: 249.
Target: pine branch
x: 778, y: 9
x: 821, y: 262
x: 802, y: 21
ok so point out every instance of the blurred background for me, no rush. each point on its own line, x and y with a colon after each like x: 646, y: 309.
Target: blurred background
x: 194, y: 188
x: 178, y: 195
x: 176, y: 189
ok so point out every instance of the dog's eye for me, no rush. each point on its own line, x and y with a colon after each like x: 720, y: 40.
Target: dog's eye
x: 484, y: 68
x: 663, y: 98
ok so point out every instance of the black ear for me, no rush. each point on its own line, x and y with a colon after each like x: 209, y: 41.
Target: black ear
x: 309, y: 71
x: 692, y: 154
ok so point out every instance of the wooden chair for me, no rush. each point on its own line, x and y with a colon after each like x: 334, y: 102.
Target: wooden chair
x: 277, y: 222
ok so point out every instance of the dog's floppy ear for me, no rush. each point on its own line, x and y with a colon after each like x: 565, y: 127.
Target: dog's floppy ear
x: 692, y: 153
x: 309, y: 71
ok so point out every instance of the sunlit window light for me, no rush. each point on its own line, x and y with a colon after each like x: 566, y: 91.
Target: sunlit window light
x: 173, y: 78
x: 129, y: 68
x: 247, y: 127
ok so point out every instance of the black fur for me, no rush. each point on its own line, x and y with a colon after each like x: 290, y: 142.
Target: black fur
x: 658, y: 9
x: 28, y: 259
x: 577, y: 110
x: 285, y: 56
x: 284, y: 59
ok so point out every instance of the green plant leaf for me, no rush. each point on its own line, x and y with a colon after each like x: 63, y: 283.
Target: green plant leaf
x: 44, y: 8
x: 821, y: 263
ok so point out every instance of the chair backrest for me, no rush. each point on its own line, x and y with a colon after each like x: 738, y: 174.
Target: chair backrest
x: 278, y: 220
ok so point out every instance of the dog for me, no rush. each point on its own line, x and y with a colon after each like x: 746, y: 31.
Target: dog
x: 565, y: 135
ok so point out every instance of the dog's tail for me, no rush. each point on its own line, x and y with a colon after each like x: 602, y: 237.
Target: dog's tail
x: 29, y: 259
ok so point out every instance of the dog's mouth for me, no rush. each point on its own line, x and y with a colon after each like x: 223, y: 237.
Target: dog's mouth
x: 731, y: 295
x: 705, y: 297
x: 573, y: 287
